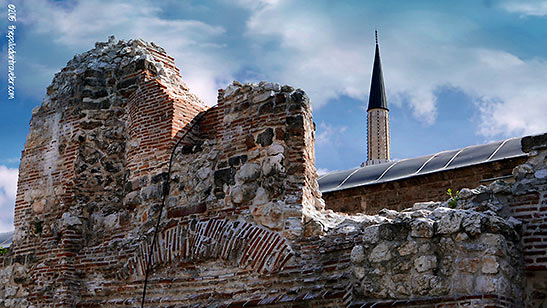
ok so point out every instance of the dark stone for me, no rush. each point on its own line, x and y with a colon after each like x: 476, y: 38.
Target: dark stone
x: 299, y: 97
x: 295, y: 124
x: 110, y: 167
x: 128, y: 186
x: 20, y: 259
x: 250, y: 141
x: 298, y: 100
x: 102, y: 104
x: 187, y: 149
x: 83, y: 167
x: 94, y: 94
x: 266, y: 108
x: 93, y: 73
x: 222, y: 164
x: 219, y: 193
x: 187, y: 210
x: 273, y: 186
x: 265, y: 138
x: 280, y: 99
x: 159, y: 177
x: 90, y: 124
x: 224, y: 176
x: 126, y: 83
x: 191, y: 148
x: 19, y: 280
x: 237, y: 160
x: 242, y: 106
x: 141, y: 65
x: 197, y: 147
x: 94, y: 82
x: 393, y: 231
x: 481, y: 197
x: 535, y: 142
x: 99, y: 179
x: 296, y: 169
x: 207, y: 192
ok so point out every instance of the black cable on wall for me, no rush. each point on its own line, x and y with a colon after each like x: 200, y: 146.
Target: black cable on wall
x: 165, y: 193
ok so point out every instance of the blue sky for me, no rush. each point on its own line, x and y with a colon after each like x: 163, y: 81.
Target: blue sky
x: 457, y: 73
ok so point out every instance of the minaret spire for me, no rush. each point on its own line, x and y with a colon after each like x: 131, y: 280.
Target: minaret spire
x: 377, y: 97
x: 377, y: 114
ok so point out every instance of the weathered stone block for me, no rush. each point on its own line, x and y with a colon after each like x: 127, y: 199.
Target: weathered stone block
x: 357, y: 254
x: 425, y: 263
x: 380, y: 253
x: 422, y: 227
x: 266, y: 137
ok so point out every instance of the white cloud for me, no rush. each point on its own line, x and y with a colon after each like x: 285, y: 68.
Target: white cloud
x: 312, y: 55
x: 322, y: 171
x: 8, y: 189
x: 320, y: 56
x: 526, y: 7
x: 328, y: 55
x: 328, y: 134
x: 190, y: 42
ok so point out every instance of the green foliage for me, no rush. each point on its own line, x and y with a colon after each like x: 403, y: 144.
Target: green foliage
x: 38, y: 226
x: 453, y: 201
x: 3, y: 251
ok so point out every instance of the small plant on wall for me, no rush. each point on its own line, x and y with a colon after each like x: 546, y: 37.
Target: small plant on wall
x: 453, y: 201
x: 3, y: 251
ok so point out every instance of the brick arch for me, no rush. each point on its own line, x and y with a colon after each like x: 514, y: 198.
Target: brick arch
x: 236, y: 242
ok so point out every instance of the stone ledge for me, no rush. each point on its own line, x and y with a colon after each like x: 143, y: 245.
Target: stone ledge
x: 536, y: 142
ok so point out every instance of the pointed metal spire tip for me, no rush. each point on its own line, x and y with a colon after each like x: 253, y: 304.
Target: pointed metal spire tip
x: 376, y: 34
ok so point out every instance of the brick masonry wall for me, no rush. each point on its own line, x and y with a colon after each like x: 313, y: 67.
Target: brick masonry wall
x: 237, y: 193
x: 82, y: 141
x: 401, y: 194
x: 479, y: 301
x: 527, y: 202
x: 243, y: 223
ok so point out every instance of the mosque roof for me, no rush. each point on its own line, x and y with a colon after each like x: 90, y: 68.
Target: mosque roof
x: 406, y: 168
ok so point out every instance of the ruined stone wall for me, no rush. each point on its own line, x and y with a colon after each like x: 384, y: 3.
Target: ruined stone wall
x: 94, y: 170
x: 434, y: 255
x: 243, y: 223
x: 109, y: 115
x: 526, y: 200
x: 477, y: 242
x: 402, y: 194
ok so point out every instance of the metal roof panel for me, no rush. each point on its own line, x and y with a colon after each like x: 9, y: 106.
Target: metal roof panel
x: 405, y: 168
x: 366, y: 175
x: 474, y: 155
x: 438, y: 161
x: 331, y: 181
x: 421, y: 165
x: 510, y: 148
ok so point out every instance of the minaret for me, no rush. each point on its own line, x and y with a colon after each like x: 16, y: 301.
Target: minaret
x: 378, y: 115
